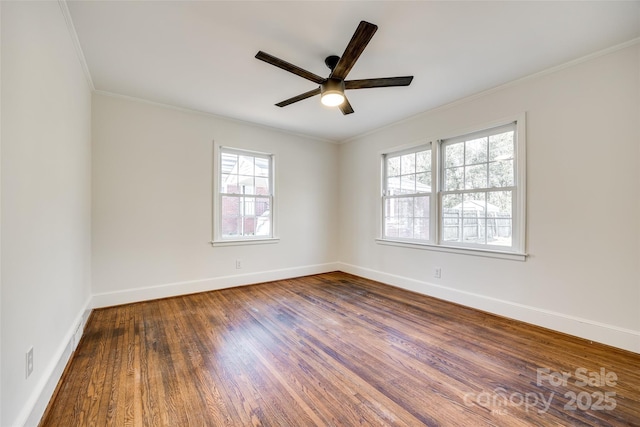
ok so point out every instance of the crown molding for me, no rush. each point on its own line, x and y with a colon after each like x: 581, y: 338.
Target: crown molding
x: 212, y: 115
x: 64, y: 7
x: 472, y: 97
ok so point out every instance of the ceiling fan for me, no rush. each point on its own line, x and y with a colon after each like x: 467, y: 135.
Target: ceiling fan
x: 332, y: 88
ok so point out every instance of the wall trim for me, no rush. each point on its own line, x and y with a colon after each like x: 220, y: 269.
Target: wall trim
x: 213, y: 115
x: 594, y: 331
x: 64, y: 7
x: 37, y: 403
x: 108, y: 299
x: 591, y: 330
x: 515, y: 82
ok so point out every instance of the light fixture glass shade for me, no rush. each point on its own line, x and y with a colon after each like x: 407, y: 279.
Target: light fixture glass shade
x: 332, y: 99
x: 332, y: 92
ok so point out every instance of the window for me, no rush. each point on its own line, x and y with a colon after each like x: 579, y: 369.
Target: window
x: 478, y: 188
x: 407, y: 195
x: 244, y: 195
x: 465, y: 192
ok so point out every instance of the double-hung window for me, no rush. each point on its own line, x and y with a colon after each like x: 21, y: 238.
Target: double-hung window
x: 407, y: 195
x: 479, y: 189
x: 243, y: 208
x: 465, y: 192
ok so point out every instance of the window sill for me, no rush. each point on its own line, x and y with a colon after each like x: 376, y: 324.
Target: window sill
x: 514, y: 256
x: 240, y: 242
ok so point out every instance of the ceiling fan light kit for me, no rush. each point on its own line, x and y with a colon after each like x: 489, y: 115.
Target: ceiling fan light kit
x: 331, y: 89
x: 332, y: 92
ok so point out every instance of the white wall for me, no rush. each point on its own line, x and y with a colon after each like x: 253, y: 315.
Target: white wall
x: 583, y: 211
x: 152, y: 186
x: 0, y: 216
x: 46, y: 201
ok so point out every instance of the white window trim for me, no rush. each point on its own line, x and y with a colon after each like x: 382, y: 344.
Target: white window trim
x: 481, y: 252
x: 519, y: 220
x: 216, y: 233
x: 432, y: 205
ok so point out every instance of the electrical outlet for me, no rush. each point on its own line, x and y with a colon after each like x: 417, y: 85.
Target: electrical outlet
x: 437, y: 273
x: 238, y: 264
x: 29, y: 362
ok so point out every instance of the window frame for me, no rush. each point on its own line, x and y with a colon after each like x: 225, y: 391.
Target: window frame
x: 423, y: 146
x: 517, y: 249
x: 218, y: 239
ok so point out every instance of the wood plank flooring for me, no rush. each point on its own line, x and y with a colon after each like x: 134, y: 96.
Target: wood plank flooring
x: 335, y: 350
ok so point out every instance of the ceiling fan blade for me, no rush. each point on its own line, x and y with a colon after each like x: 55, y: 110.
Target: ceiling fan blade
x: 300, y: 97
x: 270, y: 59
x: 354, y: 49
x: 345, y: 107
x: 380, y: 82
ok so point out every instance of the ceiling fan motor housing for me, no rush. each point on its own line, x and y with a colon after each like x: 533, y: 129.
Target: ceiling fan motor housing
x: 331, y: 61
x: 331, y: 86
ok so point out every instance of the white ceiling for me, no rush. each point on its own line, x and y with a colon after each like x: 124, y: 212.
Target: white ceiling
x: 200, y: 55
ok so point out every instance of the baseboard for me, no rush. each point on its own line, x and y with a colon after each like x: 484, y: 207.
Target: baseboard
x: 615, y: 336
x: 109, y: 299
x: 591, y: 330
x: 37, y: 403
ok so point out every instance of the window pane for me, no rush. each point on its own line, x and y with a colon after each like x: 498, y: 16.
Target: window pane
x: 423, y: 182
x: 246, y: 184
x: 501, y: 146
x: 393, y: 166
x: 263, y: 223
x: 262, y: 166
x: 423, y: 161
x: 499, y: 228
x: 454, y: 154
x: 229, y: 184
x: 475, y: 176
x: 405, y: 217
x: 249, y: 225
x: 405, y: 207
x: 474, y: 230
x: 228, y: 163
x: 230, y: 209
x: 262, y: 186
x: 474, y: 208
x: 391, y: 218
x: 405, y: 228
x: 501, y: 173
x: 499, y: 218
x: 451, y: 217
x: 500, y: 201
x: 454, y: 179
x: 262, y: 206
x: 408, y: 184
x: 230, y: 226
x: 421, y: 228
x: 421, y: 207
x: 246, y: 165
x: 500, y: 231
x: 248, y: 205
x: 452, y: 201
x: 408, y: 164
x: 474, y: 205
x: 476, y: 151
x: 390, y: 227
x: 393, y: 186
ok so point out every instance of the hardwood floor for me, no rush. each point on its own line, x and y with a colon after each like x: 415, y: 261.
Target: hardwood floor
x: 335, y: 350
